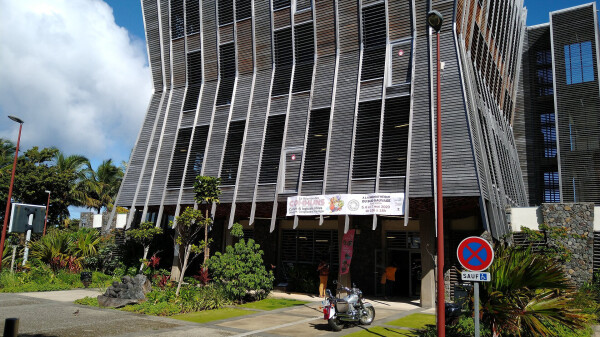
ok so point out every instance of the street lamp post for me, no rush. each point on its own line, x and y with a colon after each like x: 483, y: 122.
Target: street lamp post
x: 435, y: 20
x: 12, y: 179
x: 47, y: 207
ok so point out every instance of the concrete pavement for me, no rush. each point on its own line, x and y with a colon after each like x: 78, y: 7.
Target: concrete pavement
x: 54, y: 314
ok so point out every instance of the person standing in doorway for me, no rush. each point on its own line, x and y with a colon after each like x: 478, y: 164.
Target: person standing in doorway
x: 323, y: 270
x: 390, y: 279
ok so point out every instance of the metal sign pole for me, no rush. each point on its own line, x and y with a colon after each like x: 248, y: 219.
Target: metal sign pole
x: 28, y: 238
x: 476, y: 291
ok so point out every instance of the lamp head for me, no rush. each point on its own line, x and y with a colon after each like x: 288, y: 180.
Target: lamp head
x: 47, y: 191
x: 16, y: 119
x: 435, y: 20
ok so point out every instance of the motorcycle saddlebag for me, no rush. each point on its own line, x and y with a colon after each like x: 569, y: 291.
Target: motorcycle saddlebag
x: 341, y: 306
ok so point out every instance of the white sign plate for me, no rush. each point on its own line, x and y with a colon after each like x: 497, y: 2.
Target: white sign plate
x: 474, y: 276
x: 354, y: 204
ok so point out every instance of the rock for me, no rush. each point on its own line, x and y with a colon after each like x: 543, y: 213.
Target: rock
x: 113, y: 302
x: 130, y: 288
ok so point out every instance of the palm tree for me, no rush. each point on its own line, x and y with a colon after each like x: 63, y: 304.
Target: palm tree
x: 528, y: 295
x: 102, y: 185
x: 77, y: 165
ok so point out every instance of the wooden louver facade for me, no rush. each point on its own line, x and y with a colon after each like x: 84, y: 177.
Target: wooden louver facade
x: 282, y: 98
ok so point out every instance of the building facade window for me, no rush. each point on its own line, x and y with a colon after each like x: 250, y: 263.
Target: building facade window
x: 269, y: 167
x: 192, y: 17
x: 305, y: 51
x: 366, y: 143
x: 194, y: 166
x: 549, y: 134
x: 579, y: 62
x: 227, y: 73
x: 279, y: 4
x: 179, y: 158
x: 284, y: 61
x: 316, y: 145
x: 177, y: 21
x: 225, y: 12
x: 233, y: 149
x: 374, y: 41
x: 551, y: 187
x: 395, y: 137
x: 194, y: 70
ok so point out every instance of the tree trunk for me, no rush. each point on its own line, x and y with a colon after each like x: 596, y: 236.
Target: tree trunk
x: 206, y: 249
x: 146, y: 249
x: 183, y: 269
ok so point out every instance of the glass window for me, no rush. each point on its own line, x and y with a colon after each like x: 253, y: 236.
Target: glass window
x: 579, y: 63
x: 551, y: 188
x: 549, y: 134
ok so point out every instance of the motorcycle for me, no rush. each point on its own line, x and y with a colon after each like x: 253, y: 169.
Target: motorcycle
x: 348, y: 310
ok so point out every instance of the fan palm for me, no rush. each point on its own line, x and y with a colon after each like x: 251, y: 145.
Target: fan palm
x: 528, y: 295
x: 78, y: 165
x: 7, y: 153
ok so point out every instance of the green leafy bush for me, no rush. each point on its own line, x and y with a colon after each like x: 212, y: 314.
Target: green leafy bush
x: 91, y: 301
x: 158, y: 309
x: 241, y: 270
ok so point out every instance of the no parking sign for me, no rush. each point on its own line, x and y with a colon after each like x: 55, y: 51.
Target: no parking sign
x: 475, y: 254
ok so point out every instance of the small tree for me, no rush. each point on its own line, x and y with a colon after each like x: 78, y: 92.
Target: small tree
x: 144, y: 236
x: 241, y: 268
x: 207, y: 191
x: 189, y: 225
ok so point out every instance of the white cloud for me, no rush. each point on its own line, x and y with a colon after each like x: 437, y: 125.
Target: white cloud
x: 77, y: 79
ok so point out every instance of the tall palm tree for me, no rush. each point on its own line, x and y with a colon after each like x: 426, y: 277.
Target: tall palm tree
x: 102, y: 185
x: 79, y: 166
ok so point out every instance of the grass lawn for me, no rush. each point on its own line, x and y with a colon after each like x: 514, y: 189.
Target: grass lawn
x: 272, y: 304
x: 414, y: 321
x: 382, y: 331
x: 212, y: 315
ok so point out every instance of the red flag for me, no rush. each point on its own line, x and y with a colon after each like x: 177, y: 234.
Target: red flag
x: 346, y: 253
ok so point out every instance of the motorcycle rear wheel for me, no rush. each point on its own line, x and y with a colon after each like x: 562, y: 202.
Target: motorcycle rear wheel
x: 335, y: 324
x: 367, y: 318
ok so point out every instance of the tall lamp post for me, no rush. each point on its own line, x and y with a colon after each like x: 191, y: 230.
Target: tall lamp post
x: 47, y: 207
x: 435, y: 20
x: 12, y: 180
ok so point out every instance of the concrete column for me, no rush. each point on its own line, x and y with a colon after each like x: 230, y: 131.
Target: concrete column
x: 427, y: 234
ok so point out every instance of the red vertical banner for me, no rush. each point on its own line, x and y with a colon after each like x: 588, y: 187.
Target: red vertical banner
x: 346, y: 252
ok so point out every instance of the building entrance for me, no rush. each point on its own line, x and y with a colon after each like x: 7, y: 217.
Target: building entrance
x: 403, y: 251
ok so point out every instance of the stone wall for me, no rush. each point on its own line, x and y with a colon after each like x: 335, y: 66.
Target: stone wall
x: 577, y: 219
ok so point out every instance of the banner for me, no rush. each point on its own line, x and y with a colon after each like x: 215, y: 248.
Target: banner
x: 342, y: 204
x: 346, y: 252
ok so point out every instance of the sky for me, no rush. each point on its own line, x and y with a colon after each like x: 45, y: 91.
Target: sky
x: 76, y: 71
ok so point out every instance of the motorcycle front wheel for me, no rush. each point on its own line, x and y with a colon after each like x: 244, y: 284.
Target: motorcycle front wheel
x: 368, y: 316
x: 335, y: 324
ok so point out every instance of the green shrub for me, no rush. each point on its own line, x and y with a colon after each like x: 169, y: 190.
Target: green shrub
x: 241, y: 270
x: 156, y: 309
x: 91, y: 301
x: 464, y: 327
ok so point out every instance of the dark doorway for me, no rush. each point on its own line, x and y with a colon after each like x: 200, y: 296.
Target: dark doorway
x: 408, y: 274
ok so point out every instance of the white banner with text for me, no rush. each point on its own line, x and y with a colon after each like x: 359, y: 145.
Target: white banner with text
x: 350, y: 204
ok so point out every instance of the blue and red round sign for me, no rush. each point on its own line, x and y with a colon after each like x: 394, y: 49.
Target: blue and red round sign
x: 475, y: 254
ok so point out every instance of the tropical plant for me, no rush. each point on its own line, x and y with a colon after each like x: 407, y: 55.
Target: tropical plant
x: 207, y: 191
x: 144, y: 236
x: 7, y: 153
x: 529, y: 295
x: 101, y: 186
x: 54, y: 244
x: 188, y: 226
x: 241, y: 268
x: 85, y: 243
x: 77, y: 165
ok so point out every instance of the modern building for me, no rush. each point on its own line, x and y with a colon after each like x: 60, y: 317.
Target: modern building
x: 332, y: 97
x: 558, y: 133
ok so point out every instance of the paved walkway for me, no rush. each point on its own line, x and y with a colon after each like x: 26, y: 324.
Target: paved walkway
x: 54, y: 314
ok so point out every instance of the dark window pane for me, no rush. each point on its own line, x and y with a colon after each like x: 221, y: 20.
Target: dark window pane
x: 277, y: 4
x: 177, y: 22
x: 395, y: 137
x: 192, y: 16
x: 233, y: 148
x: 316, y: 145
x: 283, y: 61
x: 191, y: 97
x: 304, y: 57
x: 194, y: 166
x: 366, y: 143
x: 269, y: 167
x: 243, y: 9
x: 374, y: 41
x: 179, y: 157
x: 225, y: 12
x: 227, y: 73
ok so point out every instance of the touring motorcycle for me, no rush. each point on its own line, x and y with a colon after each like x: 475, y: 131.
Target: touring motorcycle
x: 348, y: 310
